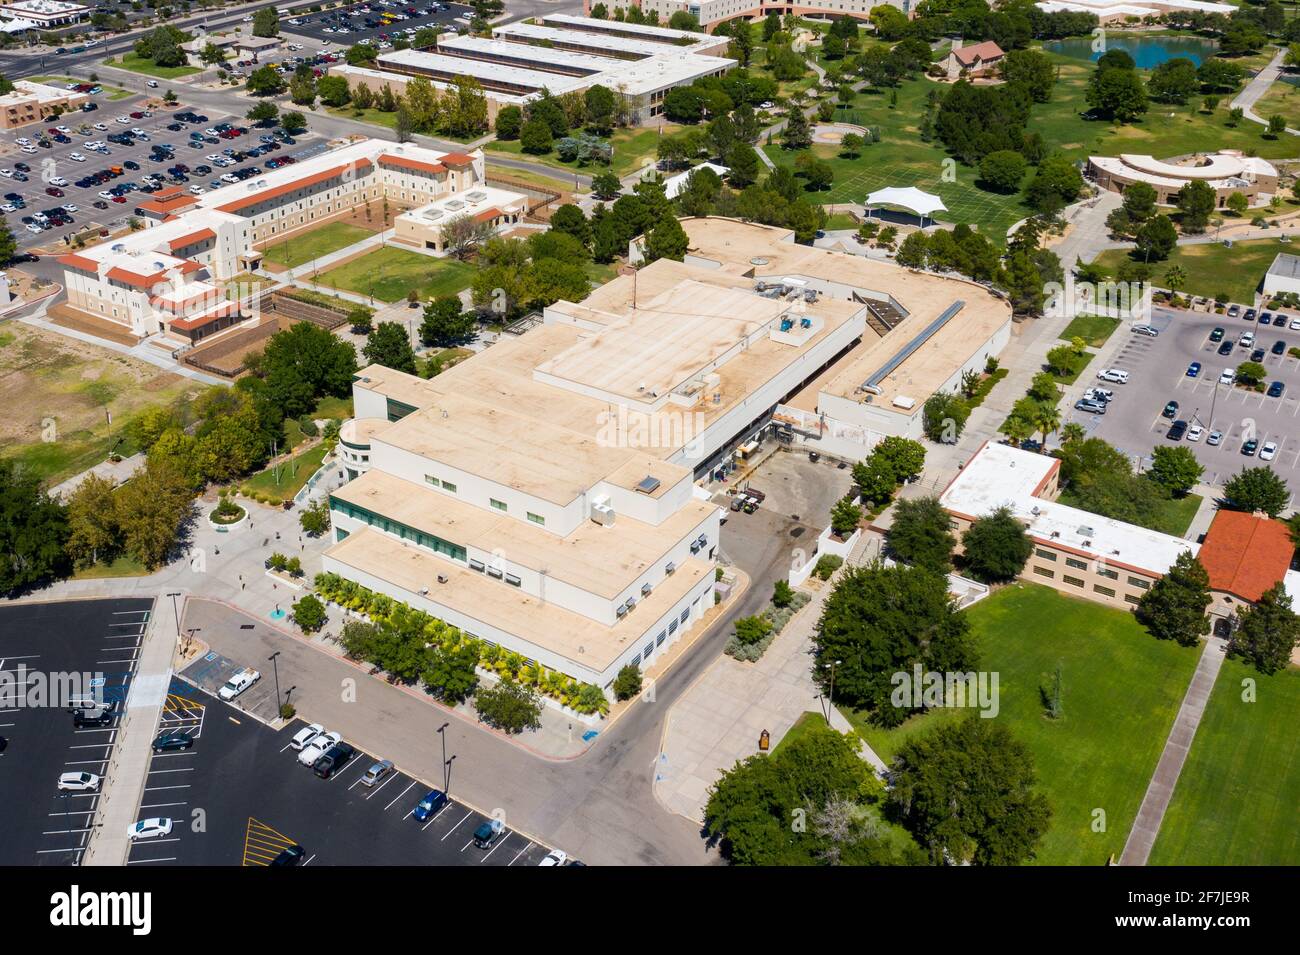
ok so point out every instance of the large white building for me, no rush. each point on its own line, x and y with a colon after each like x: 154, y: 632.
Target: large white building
x: 1109, y: 11
x: 44, y: 14
x: 709, y: 13
x: 560, y: 54
x: 542, y: 494
x: 166, y: 278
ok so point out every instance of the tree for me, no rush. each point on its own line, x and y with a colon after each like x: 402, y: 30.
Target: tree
x: 920, y: 534
x: 33, y: 531
x: 944, y: 416
x: 151, y: 507
x: 309, y: 613
x: 264, y: 113
x: 302, y: 90
x: 1056, y: 183
x: 211, y: 55
x: 1031, y: 69
x: 8, y: 244
x: 1256, y: 489
x: 1276, y: 126
x: 361, y: 54
x: 92, y: 523
x: 445, y: 322
x: 1196, y: 201
x: 390, y: 346
x: 602, y: 107
x: 1174, y: 606
x: 1267, y: 633
x: 1003, y: 170
x: 314, y: 519
x: 535, y: 137
x: 880, y: 620
x: 628, y: 683
x: 996, y: 547
x: 1156, y: 238
x: 305, y: 363
x: 797, y: 133
x: 462, y: 234
x: 667, y: 240
x: 606, y: 186
x: 1174, y: 81
x: 1238, y: 204
x: 845, y: 516
x: 1175, y: 469
x: 965, y: 790
x: 1139, y: 201
x: 904, y: 457
x: 265, y: 81
x: 333, y: 90
x: 266, y: 22
x: 510, y: 707
x: 449, y: 670
x: 293, y: 123
x: 509, y: 122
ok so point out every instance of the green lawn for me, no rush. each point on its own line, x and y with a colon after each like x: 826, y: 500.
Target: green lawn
x: 1212, y: 267
x: 1173, y: 516
x: 340, y: 409
x: 123, y: 566
x: 1122, y: 688
x: 312, y: 245
x: 136, y: 64
x: 805, y: 724
x: 111, y: 92
x: 1237, y: 796
x: 1282, y: 99
x: 389, y: 273
x: 633, y: 148
x: 1093, y: 329
x: 292, y: 475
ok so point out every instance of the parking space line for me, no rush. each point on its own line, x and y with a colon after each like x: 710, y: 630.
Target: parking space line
x: 520, y: 852
x: 400, y: 795
x: 500, y: 842
x: 453, y: 828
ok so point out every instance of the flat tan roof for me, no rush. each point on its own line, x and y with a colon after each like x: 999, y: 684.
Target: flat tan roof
x: 604, y: 560
x: 767, y: 252
x: 570, y: 635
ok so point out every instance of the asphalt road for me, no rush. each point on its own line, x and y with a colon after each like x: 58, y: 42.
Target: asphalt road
x: 100, y: 638
x: 239, y: 796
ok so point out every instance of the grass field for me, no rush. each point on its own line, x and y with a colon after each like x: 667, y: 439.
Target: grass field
x: 1282, y: 99
x: 111, y: 92
x: 1173, y: 516
x: 389, y: 273
x: 1212, y: 267
x: 1236, y: 799
x: 1122, y: 689
x: 57, y: 391
x: 123, y: 566
x: 1093, y: 329
x: 633, y: 148
x: 805, y: 724
x: 136, y: 64
x: 312, y: 245
x: 292, y: 475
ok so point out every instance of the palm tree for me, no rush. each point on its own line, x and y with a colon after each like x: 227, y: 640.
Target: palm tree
x: 1017, y: 429
x: 1175, y: 278
x: 1046, y: 420
x: 1072, y: 432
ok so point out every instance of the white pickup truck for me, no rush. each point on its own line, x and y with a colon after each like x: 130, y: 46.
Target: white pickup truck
x: 238, y: 683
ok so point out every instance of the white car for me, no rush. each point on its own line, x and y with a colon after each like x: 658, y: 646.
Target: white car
x: 1227, y: 376
x: 70, y: 207
x: 152, y: 84
x: 137, y: 131
x: 34, y: 229
x: 76, y: 157
x: 63, y: 129
x: 124, y: 120
x: 1116, y: 375
x: 58, y: 181
x: 7, y: 173
x: 555, y: 857
x: 238, y: 683
x: 23, y: 141
x: 1295, y: 324
x: 1194, y: 432
x: 78, y: 782
x: 230, y: 177
x: 101, y: 127
x: 105, y: 194
x: 247, y: 20
x: 306, y: 735
x: 1269, y: 451
x: 196, y: 190
x: 1146, y: 330
x: 149, y: 829
x: 317, y: 748
x: 30, y: 150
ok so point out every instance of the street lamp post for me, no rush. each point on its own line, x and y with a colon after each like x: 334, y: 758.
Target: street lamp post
x: 275, y: 668
x: 442, y: 732
x: 176, y: 612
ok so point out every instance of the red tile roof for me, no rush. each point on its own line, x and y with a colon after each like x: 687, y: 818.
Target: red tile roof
x: 404, y: 162
x: 266, y: 195
x: 1246, y: 555
x: 988, y: 50
x: 167, y: 204
x: 487, y: 215
x: 457, y: 160
x: 74, y: 261
x: 198, y: 321
x: 191, y: 239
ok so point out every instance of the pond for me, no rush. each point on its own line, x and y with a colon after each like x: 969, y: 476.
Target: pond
x: 1147, y: 52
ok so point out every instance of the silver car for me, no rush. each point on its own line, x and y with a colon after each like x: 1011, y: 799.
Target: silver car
x: 377, y: 773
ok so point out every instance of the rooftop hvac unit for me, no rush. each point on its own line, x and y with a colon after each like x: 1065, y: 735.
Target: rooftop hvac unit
x: 476, y: 196
x: 695, y: 547
x: 669, y: 568
x: 476, y: 565
x: 630, y: 603
x: 512, y: 580
x: 442, y: 578
x: 703, y: 540
x: 495, y: 572
x: 602, y: 514
x: 645, y: 590
x: 621, y: 611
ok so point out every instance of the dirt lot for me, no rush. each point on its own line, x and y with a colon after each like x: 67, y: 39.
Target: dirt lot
x: 56, y: 392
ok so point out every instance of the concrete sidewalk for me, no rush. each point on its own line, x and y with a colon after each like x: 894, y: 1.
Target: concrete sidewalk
x: 123, y: 784
x: 1146, y: 827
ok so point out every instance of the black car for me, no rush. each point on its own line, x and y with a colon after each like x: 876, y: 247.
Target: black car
x: 172, y: 740
x: 1248, y: 449
x: 1176, y: 430
x: 1275, y: 390
x: 1265, y: 317
x: 82, y: 718
x: 1257, y: 355
x: 1171, y: 409
x: 290, y: 855
x: 1217, y: 334
x: 1249, y: 315
x: 1279, y: 347
x: 22, y: 167
x: 1225, y: 348
x: 332, y: 760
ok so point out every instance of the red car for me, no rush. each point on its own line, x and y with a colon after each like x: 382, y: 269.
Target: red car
x: 54, y: 191
x: 137, y: 115
x: 119, y: 198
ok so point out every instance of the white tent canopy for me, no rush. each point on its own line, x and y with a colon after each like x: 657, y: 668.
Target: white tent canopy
x: 911, y: 198
x: 18, y: 25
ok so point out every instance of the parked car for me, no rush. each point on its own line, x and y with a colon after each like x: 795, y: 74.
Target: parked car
x: 174, y: 740
x: 429, y: 805
x: 1091, y: 406
x: 1214, y: 438
x: 246, y: 677
x: 78, y: 782
x: 149, y: 829
x: 555, y: 857
x: 377, y: 773
x: 1171, y: 409
x: 1225, y: 348
x: 1268, y: 452
x: 1176, y: 430
x: 1194, y: 369
x: 305, y: 735
x: 1217, y: 334
x: 289, y: 855
x: 1146, y: 330
x: 1194, y: 432
x: 489, y: 833
x: 332, y: 760
x: 91, y: 718
x: 1279, y: 347
x: 1227, y: 376
x: 1116, y: 375
x: 1276, y: 389
x: 318, y: 747
x: 1249, y: 448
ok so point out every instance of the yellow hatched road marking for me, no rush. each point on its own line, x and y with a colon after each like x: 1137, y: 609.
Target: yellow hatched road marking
x: 262, y: 843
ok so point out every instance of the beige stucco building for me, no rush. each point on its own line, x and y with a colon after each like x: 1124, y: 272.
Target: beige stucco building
x: 36, y: 102
x: 1226, y: 172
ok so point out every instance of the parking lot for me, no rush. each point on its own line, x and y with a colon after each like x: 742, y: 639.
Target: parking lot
x: 239, y: 796
x: 52, y: 173
x: 1158, y: 370
x: 99, y: 638
x: 363, y: 22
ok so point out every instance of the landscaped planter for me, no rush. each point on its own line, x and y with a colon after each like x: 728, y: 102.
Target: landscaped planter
x: 222, y: 524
